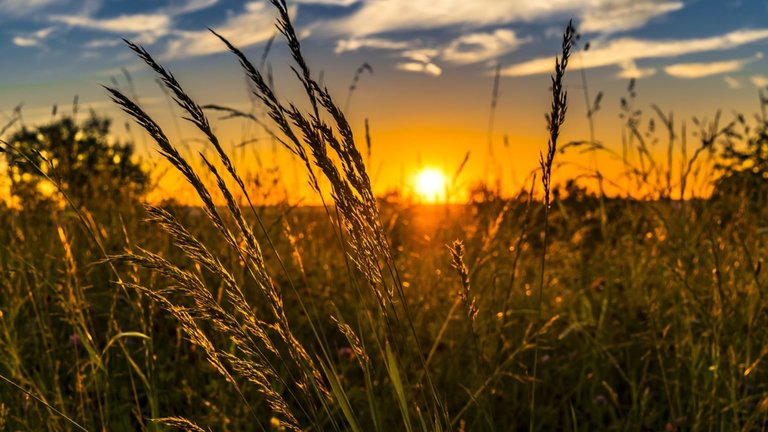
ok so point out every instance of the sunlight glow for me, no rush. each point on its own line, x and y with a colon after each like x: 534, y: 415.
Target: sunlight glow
x: 430, y: 185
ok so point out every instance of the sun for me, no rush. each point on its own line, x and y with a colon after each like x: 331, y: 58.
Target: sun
x: 430, y: 184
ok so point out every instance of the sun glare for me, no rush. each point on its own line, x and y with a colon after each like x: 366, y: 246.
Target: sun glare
x: 430, y: 184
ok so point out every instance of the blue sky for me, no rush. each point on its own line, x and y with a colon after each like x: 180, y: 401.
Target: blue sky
x: 433, y: 60
x: 681, y: 38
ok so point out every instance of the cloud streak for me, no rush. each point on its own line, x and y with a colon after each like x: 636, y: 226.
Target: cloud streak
x: 700, y: 70
x: 732, y: 83
x: 253, y: 25
x: 146, y: 27
x: 759, y: 80
x: 354, y: 44
x: 426, y: 68
x: 467, y: 49
x: 629, y: 70
x: 23, y: 7
x: 420, y: 61
x: 22, y: 41
x: 477, y: 47
x: 189, y: 6
x: 136, y: 23
x: 622, y: 50
x: 625, y: 15
x: 344, y: 3
x: 378, y: 17
x: 33, y: 39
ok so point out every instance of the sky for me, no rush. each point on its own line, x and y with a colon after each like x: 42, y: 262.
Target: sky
x: 428, y: 100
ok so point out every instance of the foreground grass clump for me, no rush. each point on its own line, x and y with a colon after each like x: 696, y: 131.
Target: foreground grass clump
x: 579, y: 312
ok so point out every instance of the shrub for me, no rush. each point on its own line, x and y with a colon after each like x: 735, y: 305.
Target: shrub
x: 81, y: 160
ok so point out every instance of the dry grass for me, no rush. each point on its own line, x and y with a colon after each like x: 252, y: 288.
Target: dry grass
x: 573, y: 312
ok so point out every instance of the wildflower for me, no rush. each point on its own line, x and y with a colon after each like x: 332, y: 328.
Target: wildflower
x: 74, y: 339
x: 600, y: 400
x: 346, y: 353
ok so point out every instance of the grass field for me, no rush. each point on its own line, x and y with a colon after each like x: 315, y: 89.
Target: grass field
x: 561, y: 308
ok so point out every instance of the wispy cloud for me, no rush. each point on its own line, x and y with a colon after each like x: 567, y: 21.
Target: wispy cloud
x: 470, y: 48
x: 354, y: 44
x: 327, y: 2
x: 624, y: 15
x: 383, y: 25
x: 477, y: 47
x: 189, y: 6
x: 25, y: 41
x: 102, y: 43
x: 700, y: 70
x: 421, y: 61
x: 253, y: 25
x: 377, y: 17
x: 422, y: 55
x: 33, y: 39
x: 136, y: 23
x: 23, y: 7
x: 759, y: 80
x: 426, y: 68
x: 731, y: 82
x: 630, y: 70
x: 620, y: 51
x: 143, y: 28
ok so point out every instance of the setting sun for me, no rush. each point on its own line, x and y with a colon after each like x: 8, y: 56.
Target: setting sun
x: 430, y: 184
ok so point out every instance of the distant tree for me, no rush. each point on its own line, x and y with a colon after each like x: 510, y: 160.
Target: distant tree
x: 80, y: 158
x: 744, y: 162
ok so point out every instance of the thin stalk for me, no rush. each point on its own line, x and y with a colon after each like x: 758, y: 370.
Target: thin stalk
x: 47, y: 405
x: 555, y: 120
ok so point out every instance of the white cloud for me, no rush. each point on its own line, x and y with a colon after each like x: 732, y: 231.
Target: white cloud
x: 420, y: 60
x: 189, y: 6
x: 630, y: 70
x: 731, y: 82
x: 470, y: 48
x: 421, y: 55
x: 700, y: 70
x: 102, y: 43
x: 144, y: 28
x: 23, y: 7
x: 619, y: 51
x: 625, y: 14
x: 354, y: 44
x: 35, y: 38
x: 152, y: 24
x: 759, y: 80
x: 377, y: 16
x: 25, y: 41
x: 427, y: 68
x: 327, y: 2
x: 476, y: 47
x: 255, y: 24
x: 44, y: 32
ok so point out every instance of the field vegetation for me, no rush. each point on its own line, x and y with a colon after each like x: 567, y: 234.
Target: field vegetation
x: 559, y: 308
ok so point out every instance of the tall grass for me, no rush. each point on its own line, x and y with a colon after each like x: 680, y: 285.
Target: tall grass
x: 263, y: 343
x: 573, y: 311
x: 555, y: 120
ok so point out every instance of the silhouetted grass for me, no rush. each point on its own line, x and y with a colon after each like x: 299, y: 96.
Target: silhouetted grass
x: 562, y: 310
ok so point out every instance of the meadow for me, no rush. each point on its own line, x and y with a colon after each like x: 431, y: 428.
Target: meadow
x: 560, y: 308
